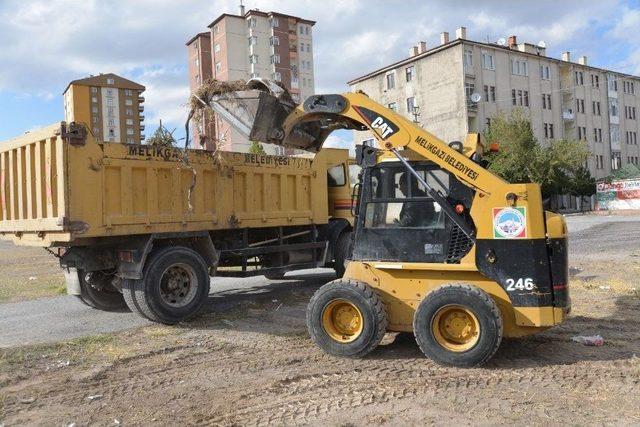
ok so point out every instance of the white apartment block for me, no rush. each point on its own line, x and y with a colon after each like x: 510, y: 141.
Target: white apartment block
x: 563, y: 99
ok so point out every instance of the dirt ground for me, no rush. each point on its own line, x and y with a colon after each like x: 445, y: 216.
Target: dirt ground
x: 249, y: 361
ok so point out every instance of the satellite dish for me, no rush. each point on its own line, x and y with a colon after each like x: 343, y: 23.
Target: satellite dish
x: 542, y: 44
x: 502, y: 41
x: 475, y: 97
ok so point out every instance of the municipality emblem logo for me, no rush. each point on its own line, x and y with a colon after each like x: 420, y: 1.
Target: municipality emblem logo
x: 509, y: 223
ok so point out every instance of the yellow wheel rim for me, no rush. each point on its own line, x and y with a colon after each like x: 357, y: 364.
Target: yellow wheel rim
x: 455, y: 328
x: 342, y: 320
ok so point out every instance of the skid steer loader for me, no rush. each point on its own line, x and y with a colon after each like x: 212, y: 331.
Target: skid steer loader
x: 442, y: 247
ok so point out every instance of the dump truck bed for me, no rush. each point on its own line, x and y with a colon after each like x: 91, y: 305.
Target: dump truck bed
x: 58, y: 187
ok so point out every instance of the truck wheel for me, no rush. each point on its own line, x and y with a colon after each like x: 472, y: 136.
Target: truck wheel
x: 174, y: 287
x: 458, y: 325
x: 97, y: 292
x: 342, y: 252
x: 346, y: 318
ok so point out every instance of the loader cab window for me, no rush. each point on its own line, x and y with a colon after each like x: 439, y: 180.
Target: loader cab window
x: 398, y: 219
x: 336, y: 176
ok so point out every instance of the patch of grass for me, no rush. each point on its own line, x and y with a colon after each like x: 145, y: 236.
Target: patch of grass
x: 21, y: 289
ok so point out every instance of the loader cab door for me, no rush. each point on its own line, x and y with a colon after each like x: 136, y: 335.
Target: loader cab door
x: 397, y: 220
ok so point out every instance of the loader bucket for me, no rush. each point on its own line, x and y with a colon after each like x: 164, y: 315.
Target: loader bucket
x: 258, y: 113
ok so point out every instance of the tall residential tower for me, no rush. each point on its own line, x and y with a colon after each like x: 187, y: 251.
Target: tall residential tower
x: 252, y: 44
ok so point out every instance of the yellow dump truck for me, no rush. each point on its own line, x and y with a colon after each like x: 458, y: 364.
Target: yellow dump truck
x: 147, y: 226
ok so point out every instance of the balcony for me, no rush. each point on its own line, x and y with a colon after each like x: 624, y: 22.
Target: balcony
x: 141, y: 108
x: 141, y: 127
x: 568, y: 114
x: 140, y: 99
x: 142, y: 137
x: 141, y: 117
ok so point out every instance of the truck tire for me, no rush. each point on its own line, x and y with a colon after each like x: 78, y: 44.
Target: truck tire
x: 458, y: 325
x: 174, y: 287
x: 346, y: 318
x: 97, y: 292
x: 342, y: 252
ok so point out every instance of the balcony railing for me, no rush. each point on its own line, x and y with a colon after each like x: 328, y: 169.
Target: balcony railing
x: 140, y: 99
x: 141, y: 108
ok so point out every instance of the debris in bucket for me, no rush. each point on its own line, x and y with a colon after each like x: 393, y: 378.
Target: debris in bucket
x: 593, y: 340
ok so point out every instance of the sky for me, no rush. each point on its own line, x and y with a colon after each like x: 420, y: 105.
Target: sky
x: 44, y: 44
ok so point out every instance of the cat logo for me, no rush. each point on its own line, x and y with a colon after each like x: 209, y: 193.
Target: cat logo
x: 380, y: 124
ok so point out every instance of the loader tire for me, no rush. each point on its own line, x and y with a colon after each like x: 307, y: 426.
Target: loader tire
x: 346, y: 318
x: 97, y: 292
x: 174, y: 287
x: 458, y: 325
x: 342, y: 252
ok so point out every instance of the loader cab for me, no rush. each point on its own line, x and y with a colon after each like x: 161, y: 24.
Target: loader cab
x: 398, y: 221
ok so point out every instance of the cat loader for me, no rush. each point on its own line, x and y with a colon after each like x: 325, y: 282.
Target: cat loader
x: 442, y: 247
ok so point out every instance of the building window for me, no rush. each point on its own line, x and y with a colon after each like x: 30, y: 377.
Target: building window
x: 277, y: 76
x: 613, y: 107
x: 129, y: 122
x: 468, y: 58
x: 129, y: 92
x: 469, y: 89
x: 595, y: 107
x: 128, y: 102
x: 111, y: 122
x: 219, y: 66
x: 96, y: 131
x: 612, y: 83
x: 94, y: 110
x: 216, y: 29
x: 578, y: 78
x: 487, y: 61
x: 308, y: 47
x: 595, y: 80
x: 94, y: 90
x: 130, y: 140
x: 253, y: 40
x: 614, y: 134
x: 274, y: 41
x: 391, y: 80
x: 615, y: 160
x: 519, y: 67
x: 548, y: 130
x: 253, y: 59
x: 409, y: 72
x: 110, y: 81
x: 301, y: 29
x: 489, y: 93
x: 128, y: 112
x: 411, y: 103
x: 580, y: 105
x: 94, y: 99
x: 216, y: 47
x: 599, y: 161
x: 545, y: 72
x: 274, y: 22
x: 546, y: 101
x: 110, y: 111
x: 275, y: 59
x: 582, y: 133
x: 392, y: 106
x: 95, y: 119
x: 129, y: 131
x: 251, y: 22
x: 597, y: 134
x: 514, y: 100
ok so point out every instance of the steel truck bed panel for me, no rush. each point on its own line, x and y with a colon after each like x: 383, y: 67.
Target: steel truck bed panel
x: 56, y: 191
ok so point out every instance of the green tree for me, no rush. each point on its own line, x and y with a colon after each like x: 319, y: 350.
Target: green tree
x: 162, y: 137
x: 558, y: 165
x: 256, y: 148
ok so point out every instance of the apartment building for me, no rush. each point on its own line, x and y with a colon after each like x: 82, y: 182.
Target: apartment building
x: 439, y: 87
x: 109, y: 105
x: 251, y: 44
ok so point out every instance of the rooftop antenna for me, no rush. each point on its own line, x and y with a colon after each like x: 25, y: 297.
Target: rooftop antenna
x: 241, y: 9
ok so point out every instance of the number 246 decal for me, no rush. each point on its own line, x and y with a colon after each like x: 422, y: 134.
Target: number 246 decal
x: 521, y: 284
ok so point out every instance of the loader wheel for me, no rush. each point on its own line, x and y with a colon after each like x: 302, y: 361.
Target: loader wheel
x: 174, y: 287
x: 458, y: 325
x: 342, y: 252
x: 97, y: 292
x: 346, y: 318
